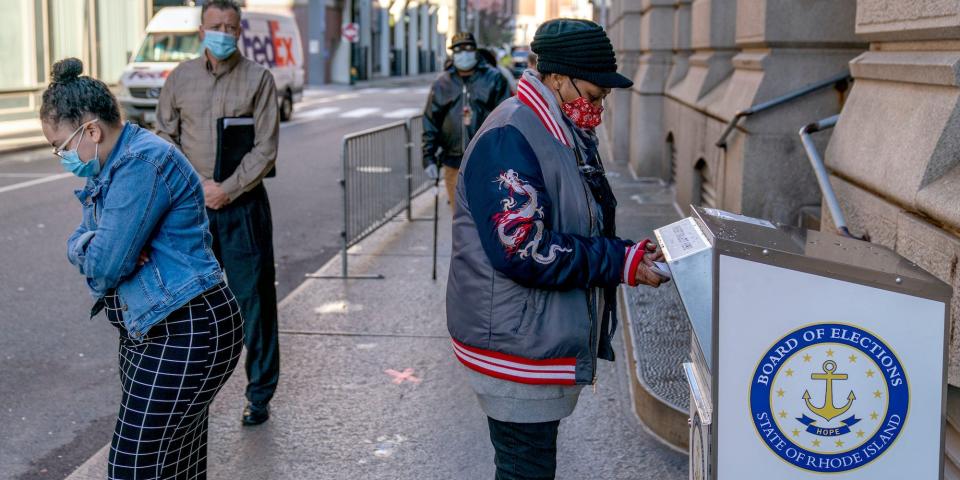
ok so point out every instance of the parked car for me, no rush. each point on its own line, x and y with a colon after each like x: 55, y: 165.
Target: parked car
x: 172, y: 36
x: 520, y: 57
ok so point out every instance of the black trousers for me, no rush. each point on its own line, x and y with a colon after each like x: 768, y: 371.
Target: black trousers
x: 524, y: 451
x: 243, y: 243
x: 169, y: 381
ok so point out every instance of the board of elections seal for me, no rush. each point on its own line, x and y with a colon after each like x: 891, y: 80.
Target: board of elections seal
x: 829, y: 398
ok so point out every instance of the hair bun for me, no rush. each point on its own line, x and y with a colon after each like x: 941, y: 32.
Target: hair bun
x: 66, y: 70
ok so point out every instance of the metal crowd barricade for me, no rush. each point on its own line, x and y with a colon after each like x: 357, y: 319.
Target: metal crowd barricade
x: 418, y: 182
x: 381, y: 174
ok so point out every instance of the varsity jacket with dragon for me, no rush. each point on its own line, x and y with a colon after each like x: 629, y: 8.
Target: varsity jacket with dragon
x: 524, y: 299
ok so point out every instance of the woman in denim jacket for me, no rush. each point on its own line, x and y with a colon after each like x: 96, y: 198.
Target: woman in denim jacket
x: 144, y: 247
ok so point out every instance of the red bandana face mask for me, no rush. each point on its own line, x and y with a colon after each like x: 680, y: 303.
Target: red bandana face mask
x: 581, y: 112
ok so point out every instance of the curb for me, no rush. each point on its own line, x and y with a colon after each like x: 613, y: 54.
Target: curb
x: 88, y: 470
x: 665, y: 421
x: 408, y: 80
x: 91, y: 468
x: 27, y: 143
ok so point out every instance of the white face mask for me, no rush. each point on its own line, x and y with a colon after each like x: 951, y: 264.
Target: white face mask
x: 465, y: 60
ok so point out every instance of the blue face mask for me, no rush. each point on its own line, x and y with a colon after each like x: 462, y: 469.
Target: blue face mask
x: 71, y: 162
x: 220, y: 45
x: 70, y: 159
x: 465, y: 60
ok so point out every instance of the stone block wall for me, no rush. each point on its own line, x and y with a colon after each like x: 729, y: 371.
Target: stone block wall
x: 623, y: 29
x: 702, y: 61
x: 895, y: 154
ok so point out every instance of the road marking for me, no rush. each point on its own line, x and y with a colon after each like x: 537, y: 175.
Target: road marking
x: 318, y: 101
x: 311, y: 94
x: 38, y: 181
x: 374, y: 169
x: 317, y: 112
x: 23, y: 175
x: 310, y: 115
x: 360, y: 112
x: 402, y: 113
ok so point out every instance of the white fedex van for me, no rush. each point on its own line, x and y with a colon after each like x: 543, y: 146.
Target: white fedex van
x: 172, y: 37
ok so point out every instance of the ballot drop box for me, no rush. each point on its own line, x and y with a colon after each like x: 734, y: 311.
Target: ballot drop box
x: 813, y: 355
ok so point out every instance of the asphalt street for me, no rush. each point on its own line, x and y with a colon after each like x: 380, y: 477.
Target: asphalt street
x: 58, y: 382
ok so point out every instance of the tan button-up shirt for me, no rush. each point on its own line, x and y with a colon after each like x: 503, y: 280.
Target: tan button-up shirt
x: 195, y: 95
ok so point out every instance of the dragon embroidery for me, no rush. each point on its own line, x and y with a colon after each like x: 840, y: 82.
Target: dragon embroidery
x: 515, y: 224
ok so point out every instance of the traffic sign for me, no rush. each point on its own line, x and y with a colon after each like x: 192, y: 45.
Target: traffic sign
x: 351, y: 32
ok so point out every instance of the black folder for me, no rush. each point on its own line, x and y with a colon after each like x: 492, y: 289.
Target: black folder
x: 235, y: 136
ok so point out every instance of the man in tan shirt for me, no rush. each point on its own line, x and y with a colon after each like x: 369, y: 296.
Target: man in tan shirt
x: 223, y: 83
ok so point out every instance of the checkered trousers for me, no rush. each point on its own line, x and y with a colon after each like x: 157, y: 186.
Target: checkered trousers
x: 169, y: 380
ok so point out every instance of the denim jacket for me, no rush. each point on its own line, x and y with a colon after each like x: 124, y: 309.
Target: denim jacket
x: 147, y: 197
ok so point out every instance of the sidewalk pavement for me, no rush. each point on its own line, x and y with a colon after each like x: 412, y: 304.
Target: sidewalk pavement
x: 370, y: 388
x: 656, y: 329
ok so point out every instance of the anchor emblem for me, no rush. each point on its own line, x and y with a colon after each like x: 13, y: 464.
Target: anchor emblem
x: 828, y: 411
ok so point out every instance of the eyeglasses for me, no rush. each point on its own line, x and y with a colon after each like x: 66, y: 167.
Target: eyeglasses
x: 58, y: 151
x: 590, y: 96
x: 464, y: 48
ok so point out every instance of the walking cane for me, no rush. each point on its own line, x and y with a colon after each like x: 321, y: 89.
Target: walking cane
x: 436, y: 218
x: 467, y: 118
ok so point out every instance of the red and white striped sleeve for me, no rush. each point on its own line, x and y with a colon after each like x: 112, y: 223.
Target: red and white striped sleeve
x: 631, y: 262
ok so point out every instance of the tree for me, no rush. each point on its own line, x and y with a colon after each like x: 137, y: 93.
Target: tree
x: 492, y: 22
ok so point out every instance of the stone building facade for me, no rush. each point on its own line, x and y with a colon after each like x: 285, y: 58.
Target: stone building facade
x: 894, y: 157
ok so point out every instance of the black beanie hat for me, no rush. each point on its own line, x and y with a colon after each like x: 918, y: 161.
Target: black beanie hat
x: 578, y: 49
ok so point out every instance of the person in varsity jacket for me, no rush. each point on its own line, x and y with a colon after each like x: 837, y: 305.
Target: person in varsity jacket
x: 536, y: 262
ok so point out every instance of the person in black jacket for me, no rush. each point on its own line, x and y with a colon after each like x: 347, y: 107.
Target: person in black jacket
x: 459, y: 101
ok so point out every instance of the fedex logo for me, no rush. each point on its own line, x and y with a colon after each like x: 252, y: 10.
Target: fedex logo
x: 148, y: 75
x: 271, y: 49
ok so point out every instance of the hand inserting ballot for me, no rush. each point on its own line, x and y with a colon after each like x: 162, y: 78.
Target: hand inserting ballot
x: 645, y: 271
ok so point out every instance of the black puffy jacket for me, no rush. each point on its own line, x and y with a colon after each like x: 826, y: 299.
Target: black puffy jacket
x: 443, y: 114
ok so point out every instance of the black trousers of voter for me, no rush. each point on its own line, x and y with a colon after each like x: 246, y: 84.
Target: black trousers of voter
x: 524, y: 451
x: 243, y: 243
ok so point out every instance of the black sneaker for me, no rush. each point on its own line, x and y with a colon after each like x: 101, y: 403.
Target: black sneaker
x: 254, y: 414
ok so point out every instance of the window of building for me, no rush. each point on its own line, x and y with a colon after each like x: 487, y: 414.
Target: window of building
x: 18, y: 56
x: 527, y: 7
x: 120, y: 26
x: 68, y: 31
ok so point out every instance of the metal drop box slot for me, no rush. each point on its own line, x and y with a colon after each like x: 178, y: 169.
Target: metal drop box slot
x: 813, y: 355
